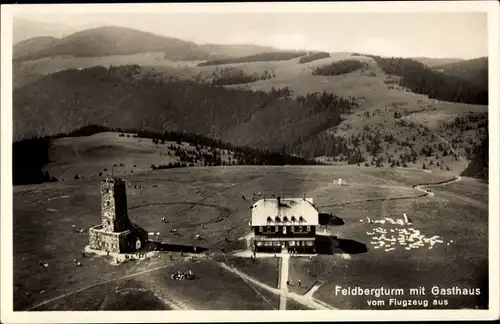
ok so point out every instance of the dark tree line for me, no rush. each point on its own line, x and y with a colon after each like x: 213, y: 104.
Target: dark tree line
x: 261, y: 57
x: 339, y: 67
x: 478, y: 167
x: 242, y: 155
x: 29, y: 156
x: 436, y: 85
x: 230, y: 75
x: 313, y: 57
x: 316, y: 143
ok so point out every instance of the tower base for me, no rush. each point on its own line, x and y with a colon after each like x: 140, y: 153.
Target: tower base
x: 117, y: 242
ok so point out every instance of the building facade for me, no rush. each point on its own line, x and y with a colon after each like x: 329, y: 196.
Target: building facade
x: 116, y: 233
x: 284, y: 225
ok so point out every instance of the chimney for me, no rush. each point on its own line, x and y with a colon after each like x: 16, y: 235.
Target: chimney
x: 279, y: 200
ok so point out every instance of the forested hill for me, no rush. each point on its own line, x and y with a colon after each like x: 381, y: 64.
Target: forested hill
x: 475, y: 70
x: 128, y: 98
x: 437, y: 85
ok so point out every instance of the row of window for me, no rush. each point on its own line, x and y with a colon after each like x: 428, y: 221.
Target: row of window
x: 290, y: 243
x: 293, y: 229
x: 108, y: 245
x: 286, y: 219
x: 301, y: 243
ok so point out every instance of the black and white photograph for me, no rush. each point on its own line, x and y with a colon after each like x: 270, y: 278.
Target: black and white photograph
x: 322, y: 157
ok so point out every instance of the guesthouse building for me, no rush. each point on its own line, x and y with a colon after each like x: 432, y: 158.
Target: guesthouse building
x: 281, y: 225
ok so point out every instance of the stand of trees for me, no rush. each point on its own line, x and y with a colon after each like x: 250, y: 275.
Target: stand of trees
x: 29, y: 156
x: 230, y: 75
x: 261, y: 57
x: 339, y: 67
x: 436, y: 85
x: 242, y: 155
x: 478, y: 167
x: 313, y: 57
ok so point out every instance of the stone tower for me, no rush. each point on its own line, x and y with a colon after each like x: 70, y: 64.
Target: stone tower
x: 116, y: 233
x: 114, y: 205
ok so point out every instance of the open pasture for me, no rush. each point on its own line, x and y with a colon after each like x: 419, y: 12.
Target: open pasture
x: 461, y: 261
x: 219, y: 199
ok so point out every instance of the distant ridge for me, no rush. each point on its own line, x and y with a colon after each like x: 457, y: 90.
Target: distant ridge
x: 114, y: 40
x: 24, y: 29
x: 432, y: 62
x: 237, y: 49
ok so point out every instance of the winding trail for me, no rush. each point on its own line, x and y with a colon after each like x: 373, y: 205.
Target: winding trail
x: 419, y: 187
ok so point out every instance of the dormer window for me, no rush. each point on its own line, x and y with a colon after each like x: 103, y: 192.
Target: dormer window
x: 301, y: 219
x: 277, y: 219
x: 269, y: 219
x: 294, y: 219
x: 285, y: 219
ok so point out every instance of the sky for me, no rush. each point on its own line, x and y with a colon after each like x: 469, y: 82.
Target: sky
x: 429, y: 34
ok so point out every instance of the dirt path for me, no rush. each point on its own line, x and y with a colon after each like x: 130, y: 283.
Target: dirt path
x: 283, y: 286
x: 308, y: 302
x: 452, y: 149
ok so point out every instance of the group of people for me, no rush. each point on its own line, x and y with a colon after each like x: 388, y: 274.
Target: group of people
x: 182, y: 275
x: 290, y: 283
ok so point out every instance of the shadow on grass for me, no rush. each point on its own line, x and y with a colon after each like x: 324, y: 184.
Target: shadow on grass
x: 330, y: 219
x: 332, y: 244
x: 165, y: 247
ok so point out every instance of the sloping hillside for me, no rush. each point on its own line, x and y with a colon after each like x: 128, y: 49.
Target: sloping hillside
x: 355, y: 117
x: 129, y: 98
x: 33, y: 45
x: 91, y: 151
x: 111, y: 40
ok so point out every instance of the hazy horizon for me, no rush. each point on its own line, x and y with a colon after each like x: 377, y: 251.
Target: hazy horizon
x: 432, y: 35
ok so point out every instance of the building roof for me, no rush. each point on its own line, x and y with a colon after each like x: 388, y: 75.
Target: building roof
x: 284, y: 211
